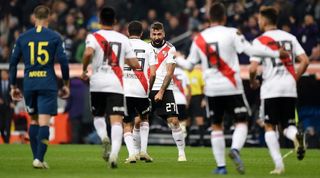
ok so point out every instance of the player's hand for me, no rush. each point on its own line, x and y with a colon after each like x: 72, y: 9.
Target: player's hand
x: 64, y: 93
x: 203, y: 103
x: 255, y: 84
x: 84, y: 76
x: 283, y: 53
x: 158, y: 96
x: 16, y: 94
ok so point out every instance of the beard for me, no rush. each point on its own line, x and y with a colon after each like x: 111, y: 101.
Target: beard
x: 158, y: 43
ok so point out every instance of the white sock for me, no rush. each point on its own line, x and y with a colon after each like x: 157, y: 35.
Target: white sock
x: 179, y: 139
x: 116, y: 138
x: 274, y: 148
x: 144, y: 134
x: 136, y: 140
x: 239, y: 136
x: 100, y: 126
x: 291, y: 132
x: 218, y: 145
x: 128, y: 139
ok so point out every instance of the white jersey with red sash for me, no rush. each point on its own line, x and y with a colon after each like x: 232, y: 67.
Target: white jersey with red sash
x: 111, y: 49
x: 217, y: 48
x: 165, y: 55
x: 136, y: 82
x: 278, y: 74
x: 180, y: 80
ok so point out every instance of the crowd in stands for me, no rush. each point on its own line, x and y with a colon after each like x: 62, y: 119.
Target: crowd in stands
x: 75, y: 18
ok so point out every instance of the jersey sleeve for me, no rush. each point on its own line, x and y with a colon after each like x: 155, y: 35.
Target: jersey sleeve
x: 91, y: 41
x: 240, y: 42
x: 152, y: 57
x: 298, y: 50
x: 14, y: 60
x: 128, y: 50
x: 194, y: 56
x: 171, y: 56
x: 62, y: 58
x: 256, y: 58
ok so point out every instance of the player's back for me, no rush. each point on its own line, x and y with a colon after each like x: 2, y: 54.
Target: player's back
x: 136, y: 83
x: 111, y: 49
x: 218, y: 53
x: 39, y: 47
x: 279, y: 74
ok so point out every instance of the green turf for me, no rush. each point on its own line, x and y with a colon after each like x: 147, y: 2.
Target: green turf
x: 84, y: 161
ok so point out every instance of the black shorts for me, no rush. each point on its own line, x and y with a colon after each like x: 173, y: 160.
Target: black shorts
x: 136, y: 106
x: 166, y: 107
x: 233, y: 104
x: 279, y: 111
x: 195, y: 109
x: 103, y: 103
x: 182, y: 112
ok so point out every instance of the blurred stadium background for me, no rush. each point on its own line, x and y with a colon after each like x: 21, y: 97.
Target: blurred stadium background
x: 183, y: 19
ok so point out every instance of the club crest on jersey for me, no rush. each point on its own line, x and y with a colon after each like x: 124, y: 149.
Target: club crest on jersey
x: 164, y: 53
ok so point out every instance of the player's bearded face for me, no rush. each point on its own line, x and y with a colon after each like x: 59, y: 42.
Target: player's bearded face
x: 157, y: 36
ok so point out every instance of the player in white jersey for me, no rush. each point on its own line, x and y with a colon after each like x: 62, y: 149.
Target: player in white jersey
x: 109, y: 50
x: 161, y: 95
x: 136, y: 90
x: 278, y: 91
x: 217, y: 48
x: 182, y: 95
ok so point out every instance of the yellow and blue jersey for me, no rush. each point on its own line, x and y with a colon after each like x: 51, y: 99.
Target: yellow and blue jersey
x: 38, y: 48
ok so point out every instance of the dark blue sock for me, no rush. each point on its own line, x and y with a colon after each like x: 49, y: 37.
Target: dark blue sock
x: 43, y: 141
x: 33, y: 135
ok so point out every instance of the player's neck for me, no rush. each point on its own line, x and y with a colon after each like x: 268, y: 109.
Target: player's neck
x: 105, y: 27
x: 214, y: 24
x: 41, y: 23
x: 270, y: 27
x: 134, y: 37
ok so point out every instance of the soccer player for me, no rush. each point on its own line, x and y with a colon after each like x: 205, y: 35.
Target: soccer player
x: 181, y: 96
x: 136, y: 90
x: 217, y: 48
x: 38, y: 47
x: 161, y: 95
x: 109, y: 50
x: 279, y: 88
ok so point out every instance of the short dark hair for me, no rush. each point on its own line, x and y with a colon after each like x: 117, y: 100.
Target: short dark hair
x: 269, y: 13
x: 135, y: 28
x: 41, y: 12
x: 157, y: 26
x: 107, y: 16
x: 217, y: 12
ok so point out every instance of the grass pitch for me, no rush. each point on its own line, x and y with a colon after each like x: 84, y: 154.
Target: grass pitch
x: 84, y: 161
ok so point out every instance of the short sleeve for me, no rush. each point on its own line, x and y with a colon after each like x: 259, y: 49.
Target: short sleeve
x: 171, y: 56
x: 91, y: 41
x: 298, y: 50
x: 194, y: 56
x: 256, y: 58
x: 240, y: 42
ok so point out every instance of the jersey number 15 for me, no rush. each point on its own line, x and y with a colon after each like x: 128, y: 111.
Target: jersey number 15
x: 42, y: 54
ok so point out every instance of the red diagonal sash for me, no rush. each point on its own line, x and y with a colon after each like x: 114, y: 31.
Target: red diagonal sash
x: 223, y: 67
x: 178, y: 83
x: 162, y: 55
x: 110, y: 55
x: 272, y: 44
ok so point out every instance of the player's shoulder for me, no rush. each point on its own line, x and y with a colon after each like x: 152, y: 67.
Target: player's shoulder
x: 170, y: 46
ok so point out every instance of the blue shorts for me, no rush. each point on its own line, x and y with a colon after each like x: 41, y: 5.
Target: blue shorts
x: 41, y: 101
